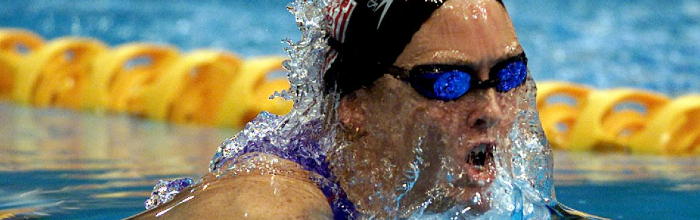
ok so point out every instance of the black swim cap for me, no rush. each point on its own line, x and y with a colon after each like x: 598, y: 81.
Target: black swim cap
x: 367, y: 35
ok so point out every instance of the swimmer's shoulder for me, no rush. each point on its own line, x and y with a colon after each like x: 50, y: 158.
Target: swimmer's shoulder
x: 286, y: 193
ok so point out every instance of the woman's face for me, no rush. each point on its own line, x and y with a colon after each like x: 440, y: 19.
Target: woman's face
x: 401, y: 149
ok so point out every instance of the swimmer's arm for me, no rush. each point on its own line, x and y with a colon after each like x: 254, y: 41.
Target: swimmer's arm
x: 248, y: 196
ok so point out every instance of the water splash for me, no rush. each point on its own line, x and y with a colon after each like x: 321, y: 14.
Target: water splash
x: 164, y: 191
x: 302, y: 130
x: 299, y: 135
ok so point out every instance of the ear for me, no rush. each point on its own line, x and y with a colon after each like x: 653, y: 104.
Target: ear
x: 350, y: 113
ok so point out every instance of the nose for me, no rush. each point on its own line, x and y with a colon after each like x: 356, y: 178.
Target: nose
x: 488, y: 112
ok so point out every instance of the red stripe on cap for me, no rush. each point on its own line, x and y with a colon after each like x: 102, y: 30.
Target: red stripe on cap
x: 347, y: 12
x: 333, y: 13
x: 339, y: 14
x: 336, y: 22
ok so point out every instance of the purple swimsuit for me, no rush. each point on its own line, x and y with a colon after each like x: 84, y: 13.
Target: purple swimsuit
x: 298, y: 146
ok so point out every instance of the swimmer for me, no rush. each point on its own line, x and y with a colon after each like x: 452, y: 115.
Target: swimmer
x: 423, y: 96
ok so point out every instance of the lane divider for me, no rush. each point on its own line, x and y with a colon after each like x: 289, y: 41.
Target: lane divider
x: 147, y: 80
x: 57, y: 73
x: 579, y: 118
x: 15, y: 44
x: 219, y: 88
x: 122, y: 75
x: 195, y: 88
x: 250, y: 93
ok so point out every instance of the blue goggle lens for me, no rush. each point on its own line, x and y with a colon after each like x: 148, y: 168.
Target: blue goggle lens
x: 443, y: 86
x: 511, y: 76
x: 452, y: 84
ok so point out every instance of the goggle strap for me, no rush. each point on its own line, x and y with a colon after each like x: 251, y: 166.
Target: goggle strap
x: 398, y: 72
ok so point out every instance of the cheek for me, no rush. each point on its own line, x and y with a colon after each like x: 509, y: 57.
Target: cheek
x: 512, y: 103
x: 447, y: 116
x: 392, y: 117
x: 350, y: 116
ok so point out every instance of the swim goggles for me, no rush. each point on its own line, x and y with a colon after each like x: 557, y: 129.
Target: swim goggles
x: 450, y: 82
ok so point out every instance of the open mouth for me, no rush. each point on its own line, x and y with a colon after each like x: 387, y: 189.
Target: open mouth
x: 480, y: 163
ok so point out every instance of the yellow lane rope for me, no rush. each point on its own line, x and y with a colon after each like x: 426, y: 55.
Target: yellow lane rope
x: 57, y: 73
x: 250, y: 94
x: 579, y: 118
x: 15, y: 44
x: 219, y: 88
x: 7, y: 76
x: 195, y: 87
x: 154, y: 81
x: 122, y: 75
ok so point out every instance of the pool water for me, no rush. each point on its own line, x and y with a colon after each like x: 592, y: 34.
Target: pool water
x: 72, y: 165
x: 60, y: 164
x: 629, y: 187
